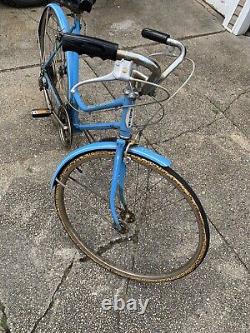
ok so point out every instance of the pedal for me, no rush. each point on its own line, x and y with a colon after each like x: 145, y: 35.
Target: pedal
x: 40, y: 113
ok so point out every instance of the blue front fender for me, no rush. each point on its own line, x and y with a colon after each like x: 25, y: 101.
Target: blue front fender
x: 110, y: 145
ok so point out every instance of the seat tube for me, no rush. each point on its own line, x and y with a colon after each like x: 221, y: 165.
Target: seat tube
x: 118, y: 176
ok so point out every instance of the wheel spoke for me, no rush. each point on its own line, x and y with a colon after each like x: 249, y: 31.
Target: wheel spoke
x: 77, y: 197
x: 168, y: 237
x: 90, y: 190
x: 85, y: 187
x: 50, y: 30
x: 49, y: 37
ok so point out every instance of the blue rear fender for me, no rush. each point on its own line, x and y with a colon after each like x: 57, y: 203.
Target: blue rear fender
x: 110, y: 145
x: 71, y: 57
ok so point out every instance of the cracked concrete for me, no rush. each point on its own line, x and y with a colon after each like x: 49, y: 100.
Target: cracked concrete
x: 3, y: 320
x: 46, y: 285
x: 52, y: 301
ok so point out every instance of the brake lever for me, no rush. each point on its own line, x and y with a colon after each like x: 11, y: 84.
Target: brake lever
x: 122, y: 71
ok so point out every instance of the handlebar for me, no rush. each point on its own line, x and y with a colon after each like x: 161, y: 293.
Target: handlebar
x: 96, y: 47
x: 157, y: 75
x: 178, y: 60
x: 155, y: 36
x: 142, y: 60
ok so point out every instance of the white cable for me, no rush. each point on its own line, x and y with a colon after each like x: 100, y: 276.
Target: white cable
x: 155, y: 85
x: 186, y: 81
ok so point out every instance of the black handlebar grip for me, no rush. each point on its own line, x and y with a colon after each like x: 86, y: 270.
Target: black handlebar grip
x: 93, y: 47
x: 155, y: 35
x: 87, y: 5
x: 77, y: 6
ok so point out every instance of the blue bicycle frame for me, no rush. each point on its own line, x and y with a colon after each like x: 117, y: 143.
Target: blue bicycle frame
x: 75, y: 99
x: 124, y: 102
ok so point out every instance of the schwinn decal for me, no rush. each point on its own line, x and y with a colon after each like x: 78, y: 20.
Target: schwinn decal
x: 129, y: 118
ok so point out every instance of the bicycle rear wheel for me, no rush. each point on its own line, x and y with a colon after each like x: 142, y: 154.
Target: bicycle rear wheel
x: 48, y: 41
x: 169, y: 236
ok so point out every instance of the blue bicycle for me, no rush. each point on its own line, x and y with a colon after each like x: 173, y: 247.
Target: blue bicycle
x: 121, y: 203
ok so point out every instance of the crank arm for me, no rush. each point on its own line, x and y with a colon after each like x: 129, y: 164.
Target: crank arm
x: 59, y: 121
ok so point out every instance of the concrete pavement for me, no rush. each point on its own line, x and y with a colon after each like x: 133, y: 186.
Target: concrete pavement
x: 45, y: 286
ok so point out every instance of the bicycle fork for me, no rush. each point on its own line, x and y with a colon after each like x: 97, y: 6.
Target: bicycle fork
x: 117, y: 189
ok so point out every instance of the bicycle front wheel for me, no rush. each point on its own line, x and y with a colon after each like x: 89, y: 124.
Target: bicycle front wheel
x: 169, y: 235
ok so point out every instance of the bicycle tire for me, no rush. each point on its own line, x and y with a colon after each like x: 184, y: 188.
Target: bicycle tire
x: 49, y: 30
x: 112, y: 246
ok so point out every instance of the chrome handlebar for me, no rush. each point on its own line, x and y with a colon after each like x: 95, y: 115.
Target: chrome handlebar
x: 178, y: 60
x: 157, y: 76
x: 129, y: 57
x: 142, y: 60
